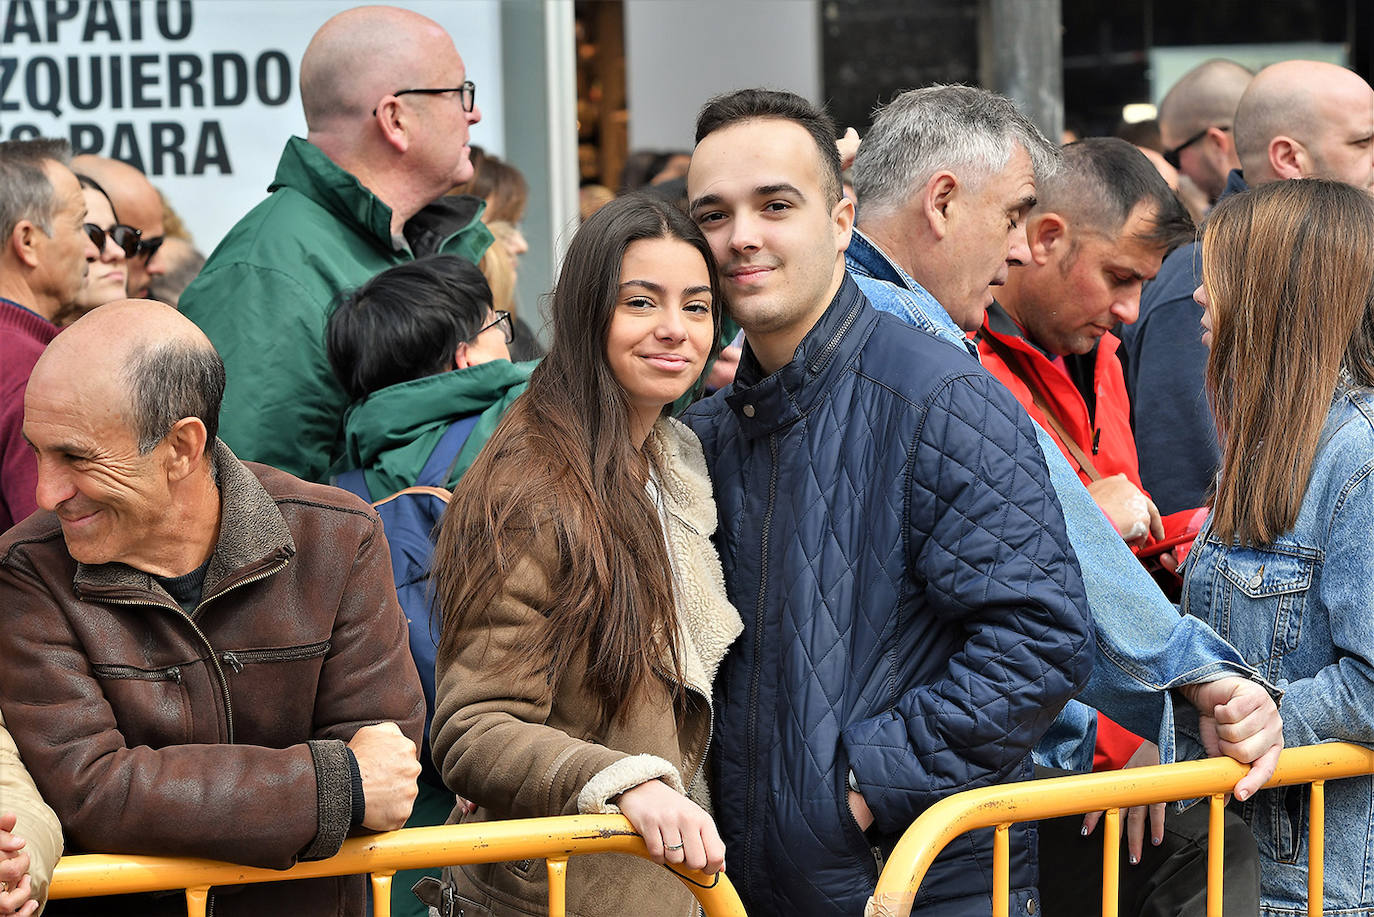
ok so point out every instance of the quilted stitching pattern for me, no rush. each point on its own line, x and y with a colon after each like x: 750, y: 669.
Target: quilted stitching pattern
x: 912, y: 610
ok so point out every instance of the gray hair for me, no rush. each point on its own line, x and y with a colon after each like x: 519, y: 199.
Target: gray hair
x: 25, y: 191
x: 967, y: 130
x: 170, y: 381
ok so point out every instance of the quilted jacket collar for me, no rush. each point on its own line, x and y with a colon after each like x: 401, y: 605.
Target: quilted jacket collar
x: 766, y: 405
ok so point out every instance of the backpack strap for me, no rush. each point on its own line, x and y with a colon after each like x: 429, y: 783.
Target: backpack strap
x: 445, y: 455
x: 439, y: 492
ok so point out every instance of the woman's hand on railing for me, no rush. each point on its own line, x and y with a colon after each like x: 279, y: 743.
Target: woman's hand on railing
x: 1239, y: 719
x: 676, y: 831
x: 16, y: 886
x: 1146, y: 755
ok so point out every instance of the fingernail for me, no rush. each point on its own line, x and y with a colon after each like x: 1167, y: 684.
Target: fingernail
x: 1241, y: 794
x: 1083, y: 831
x: 1157, y: 840
x: 1134, y: 859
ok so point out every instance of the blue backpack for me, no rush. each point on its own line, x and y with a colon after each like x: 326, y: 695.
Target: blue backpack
x: 410, y: 518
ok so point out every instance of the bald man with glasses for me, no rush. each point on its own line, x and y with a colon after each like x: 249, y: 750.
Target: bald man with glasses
x: 388, y: 105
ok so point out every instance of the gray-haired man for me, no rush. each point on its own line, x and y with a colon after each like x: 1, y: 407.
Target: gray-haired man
x: 42, y: 267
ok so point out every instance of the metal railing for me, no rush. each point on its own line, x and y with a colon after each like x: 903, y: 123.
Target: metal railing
x: 382, y: 855
x: 999, y: 807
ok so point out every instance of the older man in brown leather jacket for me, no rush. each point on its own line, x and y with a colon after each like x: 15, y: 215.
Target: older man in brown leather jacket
x: 201, y: 657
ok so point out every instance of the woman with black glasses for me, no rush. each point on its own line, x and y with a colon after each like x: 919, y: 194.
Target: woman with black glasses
x: 107, y: 276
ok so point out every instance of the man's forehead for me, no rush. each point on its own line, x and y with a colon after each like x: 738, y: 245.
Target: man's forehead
x: 754, y: 154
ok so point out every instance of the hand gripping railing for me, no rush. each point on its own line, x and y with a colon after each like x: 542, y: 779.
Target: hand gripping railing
x: 381, y: 855
x: 1001, y: 806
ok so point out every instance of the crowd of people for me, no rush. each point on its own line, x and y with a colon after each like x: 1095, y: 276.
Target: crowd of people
x: 856, y: 473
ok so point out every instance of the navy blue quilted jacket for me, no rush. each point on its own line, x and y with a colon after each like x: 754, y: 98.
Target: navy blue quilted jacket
x: 912, y: 610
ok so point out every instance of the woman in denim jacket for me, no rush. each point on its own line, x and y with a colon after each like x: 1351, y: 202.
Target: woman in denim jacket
x: 1285, y: 567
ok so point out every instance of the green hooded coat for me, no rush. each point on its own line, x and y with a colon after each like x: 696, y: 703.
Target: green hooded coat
x: 391, y: 433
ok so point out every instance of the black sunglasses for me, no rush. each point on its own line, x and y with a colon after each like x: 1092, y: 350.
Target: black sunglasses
x: 126, y: 237
x: 467, y: 94
x: 148, y: 247
x: 1172, y: 156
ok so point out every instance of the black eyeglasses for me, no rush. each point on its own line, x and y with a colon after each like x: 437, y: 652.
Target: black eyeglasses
x: 502, y: 318
x: 467, y: 94
x: 1172, y: 156
x: 126, y: 237
x: 148, y: 247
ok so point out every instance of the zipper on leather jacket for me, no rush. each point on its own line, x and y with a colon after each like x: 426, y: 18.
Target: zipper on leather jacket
x: 170, y: 673
x: 200, y: 634
x: 205, y: 641
x: 237, y: 659
x: 752, y: 732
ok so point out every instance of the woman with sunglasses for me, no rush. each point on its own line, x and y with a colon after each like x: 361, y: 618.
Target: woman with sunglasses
x: 107, y: 276
x: 1284, y: 565
x: 584, y: 613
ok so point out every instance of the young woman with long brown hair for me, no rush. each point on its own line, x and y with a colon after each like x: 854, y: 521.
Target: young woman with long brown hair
x: 584, y: 612
x: 1284, y: 567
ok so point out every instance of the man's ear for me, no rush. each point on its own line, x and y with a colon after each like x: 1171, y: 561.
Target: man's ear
x: 1288, y: 158
x: 1223, y: 141
x: 843, y: 215
x: 460, y: 356
x: 938, y: 200
x: 188, y: 440
x: 23, y: 242
x: 394, y: 124
x: 1046, y: 235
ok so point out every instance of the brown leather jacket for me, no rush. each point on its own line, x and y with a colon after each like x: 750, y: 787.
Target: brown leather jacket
x: 520, y: 747
x: 221, y: 734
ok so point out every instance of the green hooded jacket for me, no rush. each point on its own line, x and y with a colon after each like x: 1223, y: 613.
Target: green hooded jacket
x: 266, y: 292
x: 391, y: 433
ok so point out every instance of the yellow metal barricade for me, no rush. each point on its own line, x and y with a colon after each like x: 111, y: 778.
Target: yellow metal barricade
x: 1001, y: 806
x: 381, y: 855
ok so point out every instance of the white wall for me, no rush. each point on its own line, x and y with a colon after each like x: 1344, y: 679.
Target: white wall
x: 679, y: 53
x: 247, y: 135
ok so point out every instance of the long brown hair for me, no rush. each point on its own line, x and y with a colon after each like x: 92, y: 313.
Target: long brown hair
x: 562, y: 463
x: 1289, y: 269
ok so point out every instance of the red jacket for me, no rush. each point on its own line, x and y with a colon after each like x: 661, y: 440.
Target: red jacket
x: 1108, y: 433
x: 1106, y: 438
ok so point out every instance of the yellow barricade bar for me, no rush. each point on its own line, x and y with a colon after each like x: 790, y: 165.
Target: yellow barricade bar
x: 554, y: 839
x: 1000, y: 806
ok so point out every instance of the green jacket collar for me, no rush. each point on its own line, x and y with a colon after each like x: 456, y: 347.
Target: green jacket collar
x: 391, y: 433
x: 450, y: 224
x: 306, y: 169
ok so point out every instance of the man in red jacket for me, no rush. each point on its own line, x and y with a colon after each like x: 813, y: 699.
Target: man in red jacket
x: 1103, y: 224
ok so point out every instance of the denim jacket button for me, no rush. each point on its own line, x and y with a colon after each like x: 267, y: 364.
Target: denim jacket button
x: 1257, y: 580
x: 1030, y: 906
x: 748, y: 410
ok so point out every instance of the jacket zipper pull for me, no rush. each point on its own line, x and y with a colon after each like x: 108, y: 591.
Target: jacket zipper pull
x: 174, y: 674
x: 1097, y: 436
x: 232, y: 661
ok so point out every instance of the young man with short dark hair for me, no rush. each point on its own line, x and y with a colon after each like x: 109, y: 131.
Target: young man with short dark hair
x: 914, y: 616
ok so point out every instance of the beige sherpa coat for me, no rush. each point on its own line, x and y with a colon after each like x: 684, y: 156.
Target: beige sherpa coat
x: 37, y: 823
x: 520, y: 747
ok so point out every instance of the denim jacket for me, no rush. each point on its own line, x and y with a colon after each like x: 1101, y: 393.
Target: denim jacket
x: 1144, y: 647
x: 1300, y: 610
